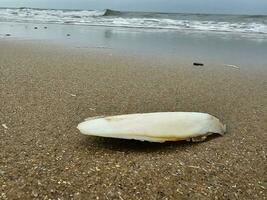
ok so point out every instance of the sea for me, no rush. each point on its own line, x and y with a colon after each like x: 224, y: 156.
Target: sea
x: 250, y: 24
x: 235, y: 39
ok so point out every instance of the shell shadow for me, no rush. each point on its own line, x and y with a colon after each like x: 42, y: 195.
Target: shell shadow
x: 212, y: 137
x: 135, y: 145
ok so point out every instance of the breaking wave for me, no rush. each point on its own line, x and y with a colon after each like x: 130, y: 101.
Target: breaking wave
x: 201, y: 22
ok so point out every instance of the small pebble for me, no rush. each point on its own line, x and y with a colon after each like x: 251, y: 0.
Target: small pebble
x: 34, y: 193
x: 1, y: 172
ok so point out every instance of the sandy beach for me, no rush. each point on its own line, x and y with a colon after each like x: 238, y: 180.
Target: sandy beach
x: 46, y: 90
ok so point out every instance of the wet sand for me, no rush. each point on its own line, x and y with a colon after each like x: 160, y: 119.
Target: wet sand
x: 46, y: 90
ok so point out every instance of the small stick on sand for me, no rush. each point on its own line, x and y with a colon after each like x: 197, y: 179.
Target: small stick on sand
x: 233, y: 66
x: 5, y: 126
x: 198, y: 64
x: 197, y: 167
x: 73, y: 95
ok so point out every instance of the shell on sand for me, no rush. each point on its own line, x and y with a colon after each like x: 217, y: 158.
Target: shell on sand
x: 154, y: 127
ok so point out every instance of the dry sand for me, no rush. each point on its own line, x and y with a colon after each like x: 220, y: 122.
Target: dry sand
x: 45, y: 91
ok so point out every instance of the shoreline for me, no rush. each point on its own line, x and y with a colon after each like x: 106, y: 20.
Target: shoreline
x: 44, y: 155
x: 174, y: 45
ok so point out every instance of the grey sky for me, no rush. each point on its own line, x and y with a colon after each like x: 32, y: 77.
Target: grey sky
x: 194, y: 6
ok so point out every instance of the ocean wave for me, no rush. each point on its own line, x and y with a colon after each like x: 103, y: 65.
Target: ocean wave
x: 199, y: 22
x: 109, y: 12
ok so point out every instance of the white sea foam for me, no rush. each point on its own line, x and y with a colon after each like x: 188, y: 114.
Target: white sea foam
x: 217, y: 23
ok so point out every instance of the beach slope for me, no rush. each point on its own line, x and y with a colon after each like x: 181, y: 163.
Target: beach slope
x: 47, y: 90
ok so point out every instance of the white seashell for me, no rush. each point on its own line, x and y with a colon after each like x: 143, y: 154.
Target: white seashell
x: 154, y: 127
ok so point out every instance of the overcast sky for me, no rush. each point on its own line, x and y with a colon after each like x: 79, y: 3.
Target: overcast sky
x: 192, y: 6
